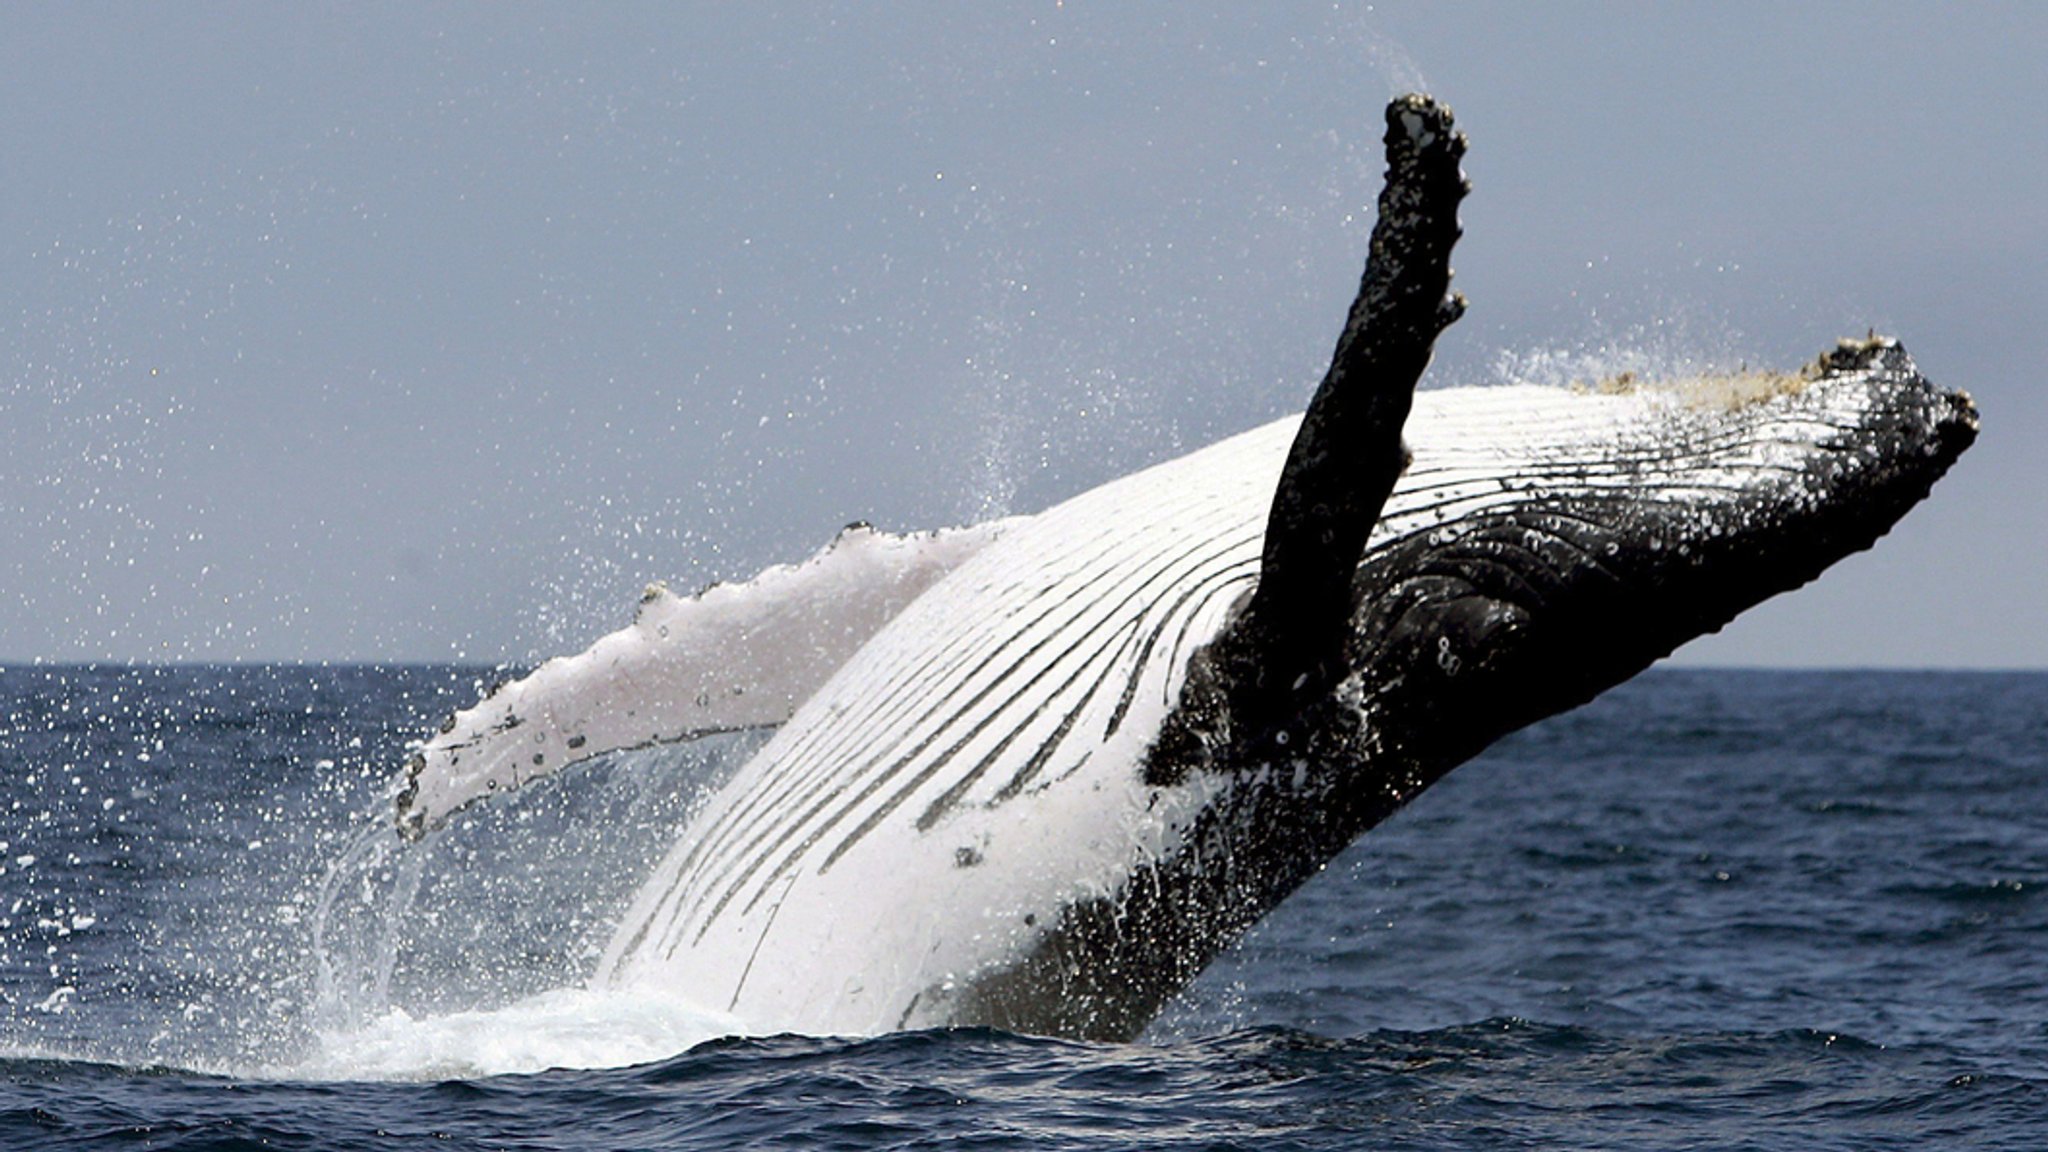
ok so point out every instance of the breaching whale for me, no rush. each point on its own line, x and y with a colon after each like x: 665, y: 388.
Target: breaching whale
x: 1036, y: 773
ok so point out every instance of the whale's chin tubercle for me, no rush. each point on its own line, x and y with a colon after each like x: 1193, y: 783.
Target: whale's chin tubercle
x: 1036, y: 773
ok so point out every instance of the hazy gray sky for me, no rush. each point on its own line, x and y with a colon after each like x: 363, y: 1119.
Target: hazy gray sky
x: 408, y: 332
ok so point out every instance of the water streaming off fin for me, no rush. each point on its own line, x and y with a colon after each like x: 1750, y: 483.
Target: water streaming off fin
x: 471, y: 945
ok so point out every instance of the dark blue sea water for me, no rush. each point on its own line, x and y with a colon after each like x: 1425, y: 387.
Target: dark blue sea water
x: 1711, y: 910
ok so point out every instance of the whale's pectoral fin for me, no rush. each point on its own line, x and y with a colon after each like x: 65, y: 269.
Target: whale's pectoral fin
x: 733, y: 657
x: 1348, y: 455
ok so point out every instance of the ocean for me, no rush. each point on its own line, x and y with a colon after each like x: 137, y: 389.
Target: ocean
x: 1713, y: 909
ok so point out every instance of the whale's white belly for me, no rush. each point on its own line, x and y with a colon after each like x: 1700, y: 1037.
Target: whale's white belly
x: 973, y: 768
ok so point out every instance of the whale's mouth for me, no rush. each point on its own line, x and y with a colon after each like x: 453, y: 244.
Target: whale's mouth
x: 1560, y: 539
x: 1725, y: 492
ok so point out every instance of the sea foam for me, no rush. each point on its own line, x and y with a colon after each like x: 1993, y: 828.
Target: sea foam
x: 564, y: 1028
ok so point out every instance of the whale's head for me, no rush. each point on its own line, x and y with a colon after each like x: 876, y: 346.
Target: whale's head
x: 1547, y: 544
x: 1711, y: 496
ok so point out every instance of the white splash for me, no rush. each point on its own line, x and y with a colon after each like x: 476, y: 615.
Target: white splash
x: 565, y: 1028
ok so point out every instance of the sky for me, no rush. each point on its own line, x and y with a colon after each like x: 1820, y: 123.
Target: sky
x: 421, y: 332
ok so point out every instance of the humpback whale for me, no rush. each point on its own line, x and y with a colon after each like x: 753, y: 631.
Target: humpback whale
x: 1036, y: 773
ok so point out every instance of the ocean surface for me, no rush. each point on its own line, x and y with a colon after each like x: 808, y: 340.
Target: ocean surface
x: 1713, y: 909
